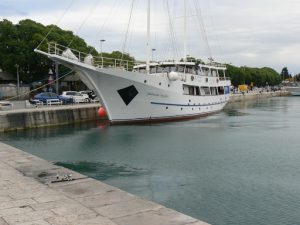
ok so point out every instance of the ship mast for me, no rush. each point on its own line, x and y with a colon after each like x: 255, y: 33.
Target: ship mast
x: 148, y: 39
x: 184, y: 32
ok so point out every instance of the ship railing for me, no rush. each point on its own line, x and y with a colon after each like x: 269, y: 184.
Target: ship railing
x: 224, y: 78
x: 97, y: 61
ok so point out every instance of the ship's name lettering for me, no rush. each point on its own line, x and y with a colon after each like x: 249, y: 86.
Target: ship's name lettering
x: 157, y: 95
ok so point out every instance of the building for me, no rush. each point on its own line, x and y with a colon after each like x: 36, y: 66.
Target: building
x: 8, y: 87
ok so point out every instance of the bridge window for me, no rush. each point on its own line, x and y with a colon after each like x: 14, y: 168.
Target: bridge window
x: 221, y: 90
x: 206, y: 90
x: 191, y: 90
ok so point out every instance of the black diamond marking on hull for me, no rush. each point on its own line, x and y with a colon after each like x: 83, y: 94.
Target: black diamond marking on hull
x: 128, y: 93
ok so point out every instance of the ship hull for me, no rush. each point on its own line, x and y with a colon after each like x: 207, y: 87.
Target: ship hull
x: 131, y: 97
x: 295, y: 91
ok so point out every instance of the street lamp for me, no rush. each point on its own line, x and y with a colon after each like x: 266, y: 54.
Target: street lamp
x: 101, y: 41
x: 153, y: 50
x: 18, y: 80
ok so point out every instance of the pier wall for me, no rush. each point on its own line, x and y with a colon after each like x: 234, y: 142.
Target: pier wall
x: 256, y: 95
x: 47, y: 116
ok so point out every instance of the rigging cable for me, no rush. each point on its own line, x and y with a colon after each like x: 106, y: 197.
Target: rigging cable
x: 92, y: 9
x: 108, y: 17
x: 213, y: 24
x: 172, y: 32
x: 127, y: 30
x: 202, y: 26
x: 59, y: 19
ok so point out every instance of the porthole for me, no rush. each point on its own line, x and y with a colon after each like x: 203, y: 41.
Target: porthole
x: 192, y: 108
x: 181, y: 109
x: 159, y: 83
x: 168, y: 85
x: 145, y: 81
x: 167, y: 107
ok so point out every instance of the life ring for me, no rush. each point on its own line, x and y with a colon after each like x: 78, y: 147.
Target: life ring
x: 192, y: 78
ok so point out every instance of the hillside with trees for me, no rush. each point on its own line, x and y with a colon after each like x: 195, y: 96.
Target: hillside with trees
x: 18, y: 41
x: 257, y: 76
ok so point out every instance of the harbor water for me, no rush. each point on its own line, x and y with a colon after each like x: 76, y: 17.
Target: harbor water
x: 238, y: 167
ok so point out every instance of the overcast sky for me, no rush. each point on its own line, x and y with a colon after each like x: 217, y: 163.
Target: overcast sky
x: 253, y: 33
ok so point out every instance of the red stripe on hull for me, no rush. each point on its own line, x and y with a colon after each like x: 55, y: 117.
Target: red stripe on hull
x: 161, y: 120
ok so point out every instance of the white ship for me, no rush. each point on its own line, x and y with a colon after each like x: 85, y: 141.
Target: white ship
x: 293, y: 88
x: 151, y: 91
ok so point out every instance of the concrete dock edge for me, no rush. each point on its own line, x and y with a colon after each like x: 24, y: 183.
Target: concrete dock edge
x: 47, y: 116
x: 256, y: 96
x: 31, y: 194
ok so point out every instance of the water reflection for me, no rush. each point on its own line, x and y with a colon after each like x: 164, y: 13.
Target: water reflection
x: 103, y: 170
x: 235, y: 112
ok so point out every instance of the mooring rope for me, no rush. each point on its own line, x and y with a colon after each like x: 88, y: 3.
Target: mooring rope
x: 26, y: 93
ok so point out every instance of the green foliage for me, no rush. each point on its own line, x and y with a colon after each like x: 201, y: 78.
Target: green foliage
x: 297, y: 77
x: 17, y: 44
x: 285, y: 74
x: 258, y: 76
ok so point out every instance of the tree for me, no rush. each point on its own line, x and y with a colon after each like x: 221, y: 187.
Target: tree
x: 17, y: 44
x: 257, y: 76
x: 297, y: 77
x: 285, y: 74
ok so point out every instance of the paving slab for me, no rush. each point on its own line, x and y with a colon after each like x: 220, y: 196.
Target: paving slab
x: 32, y: 194
x: 3, y: 222
x: 107, y: 198
x: 127, y: 208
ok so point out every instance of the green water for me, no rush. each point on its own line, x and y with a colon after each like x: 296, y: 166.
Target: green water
x: 237, y: 167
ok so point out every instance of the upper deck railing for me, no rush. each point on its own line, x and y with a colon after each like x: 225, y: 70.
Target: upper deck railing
x: 138, y: 66
x: 97, y: 61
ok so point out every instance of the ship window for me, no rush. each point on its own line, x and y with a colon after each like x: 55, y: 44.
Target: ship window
x: 206, y: 90
x: 159, y: 69
x: 213, y: 91
x: 191, y: 90
x: 226, y: 89
x: 153, y: 70
x: 166, y: 69
x: 197, y: 90
x: 142, y: 70
x: 221, y: 90
x: 191, y: 70
x: 181, y: 69
x: 206, y: 72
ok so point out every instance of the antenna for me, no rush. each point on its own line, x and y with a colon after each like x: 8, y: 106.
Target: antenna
x: 184, y: 33
x: 148, y: 39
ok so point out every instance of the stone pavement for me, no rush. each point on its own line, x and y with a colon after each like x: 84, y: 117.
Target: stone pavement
x: 28, y: 196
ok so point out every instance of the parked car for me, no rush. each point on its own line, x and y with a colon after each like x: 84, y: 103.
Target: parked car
x: 90, y: 94
x: 44, y: 96
x: 75, y: 96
